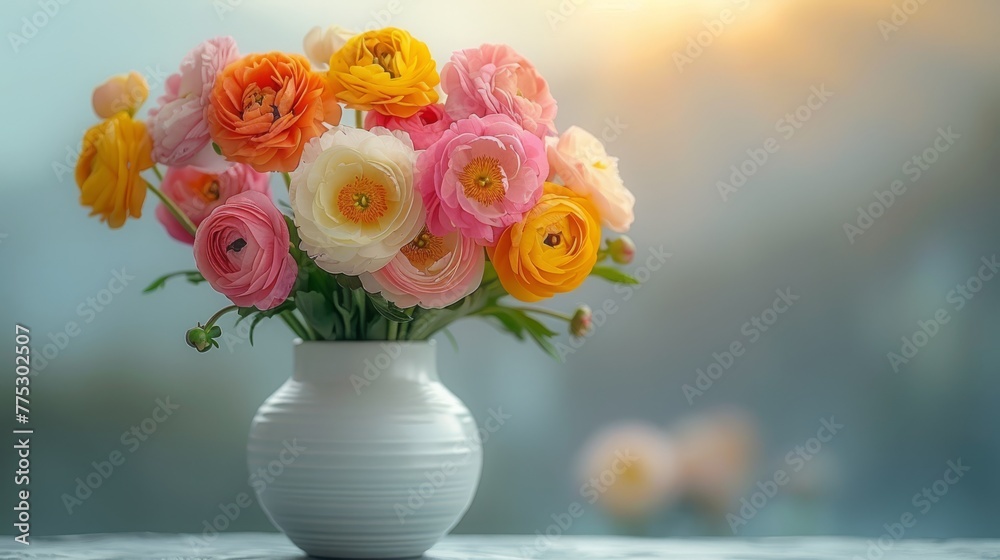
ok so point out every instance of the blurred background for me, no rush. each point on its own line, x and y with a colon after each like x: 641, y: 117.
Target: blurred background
x: 760, y: 138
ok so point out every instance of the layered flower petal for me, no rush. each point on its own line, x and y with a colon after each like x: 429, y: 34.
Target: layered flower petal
x: 264, y: 108
x: 114, y: 152
x: 481, y: 176
x: 177, y: 124
x: 552, y: 250
x: 430, y: 271
x: 424, y: 127
x: 197, y: 193
x: 242, y: 251
x: 495, y: 79
x: 384, y: 70
x: 580, y: 160
x: 354, y: 200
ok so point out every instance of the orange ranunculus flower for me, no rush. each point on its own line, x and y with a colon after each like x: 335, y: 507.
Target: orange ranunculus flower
x: 386, y: 70
x: 264, y: 109
x: 114, y: 152
x: 552, y: 250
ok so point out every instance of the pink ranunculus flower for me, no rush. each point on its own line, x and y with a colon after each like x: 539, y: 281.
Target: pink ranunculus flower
x: 198, y: 193
x: 177, y: 124
x: 242, y: 250
x: 431, y: 271
x: 580, y: 160
x: 482, y: 175
x: 495, y: 79
x: 424, y: 127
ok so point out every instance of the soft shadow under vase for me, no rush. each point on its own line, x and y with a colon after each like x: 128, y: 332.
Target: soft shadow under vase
x: 363, y: 453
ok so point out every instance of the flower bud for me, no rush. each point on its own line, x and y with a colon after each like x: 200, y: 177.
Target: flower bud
x: 319, y: 44
x: 201, y: 340
x: 581, y: 322
x: 126, y: 92
x: 621, y: 250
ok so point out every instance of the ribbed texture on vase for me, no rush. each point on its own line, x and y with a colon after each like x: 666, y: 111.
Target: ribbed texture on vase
x: 380, y: 472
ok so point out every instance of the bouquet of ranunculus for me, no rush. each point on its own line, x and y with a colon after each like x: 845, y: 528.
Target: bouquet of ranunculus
x: 420, y: 214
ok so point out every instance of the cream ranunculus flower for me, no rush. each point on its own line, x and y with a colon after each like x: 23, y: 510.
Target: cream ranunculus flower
x: 580, y: 160
x: 353, y: 198
x: 319, y: 44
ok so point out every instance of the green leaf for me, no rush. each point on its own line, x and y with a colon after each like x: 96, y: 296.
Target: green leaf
x: 317, y: 311
x: 612, y: 274
x: 192, y: 276
x: 388, y: 309
x: 216, y: 148
x: 257, y: 318
x: 517, y: 323
x: 349, y: 282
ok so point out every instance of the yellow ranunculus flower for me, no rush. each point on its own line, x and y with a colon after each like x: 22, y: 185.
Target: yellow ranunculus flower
x: 114, y: 152
x: 552, y: 250
x: 386, y: 70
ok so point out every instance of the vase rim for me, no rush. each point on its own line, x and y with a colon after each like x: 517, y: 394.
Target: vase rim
x: 299, y: 342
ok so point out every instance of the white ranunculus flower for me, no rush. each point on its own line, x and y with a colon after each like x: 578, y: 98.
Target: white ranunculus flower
x: 353, y: 199
x: 319, y: 44
x: 580, y: 160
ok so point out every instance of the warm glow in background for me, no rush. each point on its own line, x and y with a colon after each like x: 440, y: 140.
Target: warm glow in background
x: 612, y: 66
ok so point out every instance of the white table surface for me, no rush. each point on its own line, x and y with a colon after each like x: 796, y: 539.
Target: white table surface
x: 274, y: 546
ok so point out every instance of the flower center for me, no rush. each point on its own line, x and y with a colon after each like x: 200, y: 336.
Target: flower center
x: 206, y: 187
x: 600, y: 164
x: 237, y: 245
x: 553, y: 239
x: 362, y: 201
x: 258, y: 102
x: 385, y: 56
x: 424, y: 250
x: 483, y: 180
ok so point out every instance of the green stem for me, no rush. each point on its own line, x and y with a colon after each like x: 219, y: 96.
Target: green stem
x: 393, y: 330
x: 218, y: 314
x: 362, y: 302
x: 158, y: 174
x: 358, y: 120
x: 540, y: 311
x: 287, y: 178
x: 173, y: 208
x: 294, y: 324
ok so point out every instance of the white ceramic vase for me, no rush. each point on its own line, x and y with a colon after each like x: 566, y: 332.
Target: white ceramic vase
x: 363, y: 453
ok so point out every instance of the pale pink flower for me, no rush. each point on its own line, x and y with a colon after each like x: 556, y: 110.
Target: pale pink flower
x: 242, y: 250
x: 430, y: 271
x: 482, y: 175
x: 718, y: 451
x: 177, y: 124
x: 580, y: 160
x: 424, y: 127
x: 198, y: 193
x: 495, y: 79
x: 631, y: 469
